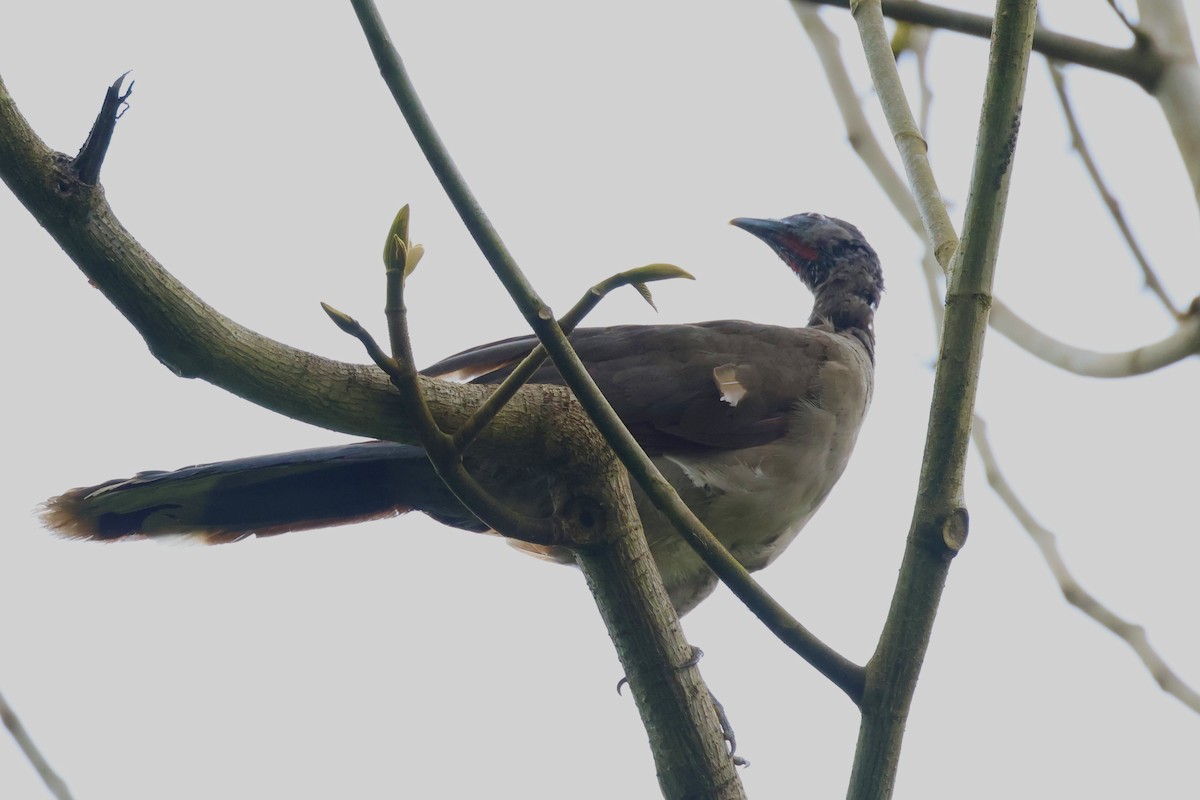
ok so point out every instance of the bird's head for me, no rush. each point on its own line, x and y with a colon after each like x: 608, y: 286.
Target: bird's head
x: 827, y: 253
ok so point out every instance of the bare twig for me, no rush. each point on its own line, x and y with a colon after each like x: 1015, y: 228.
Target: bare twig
x: 1114, y: 206
x: 53, y: 782
x: 1076, y: 595
x: 1180, y: 344
x: 1123, y: 17
x: 524, y: 371
x: 1183, y: 342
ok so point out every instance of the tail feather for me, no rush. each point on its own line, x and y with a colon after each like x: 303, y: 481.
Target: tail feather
x: 263, y: 496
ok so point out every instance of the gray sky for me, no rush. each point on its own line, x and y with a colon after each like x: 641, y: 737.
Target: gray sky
x: 262, y: 160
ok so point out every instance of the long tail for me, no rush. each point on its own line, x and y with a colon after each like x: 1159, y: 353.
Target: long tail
x: 264, y: 495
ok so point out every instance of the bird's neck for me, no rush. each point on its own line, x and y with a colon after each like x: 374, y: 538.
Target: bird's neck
x: 843, y: 302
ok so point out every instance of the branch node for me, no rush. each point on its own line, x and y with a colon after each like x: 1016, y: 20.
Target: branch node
x: 954, y: 530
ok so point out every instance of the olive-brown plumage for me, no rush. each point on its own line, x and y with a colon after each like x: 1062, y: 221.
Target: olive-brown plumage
x: 753, y: 424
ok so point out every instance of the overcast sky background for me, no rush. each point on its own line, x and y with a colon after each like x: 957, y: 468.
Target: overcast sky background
x: 261, y: 161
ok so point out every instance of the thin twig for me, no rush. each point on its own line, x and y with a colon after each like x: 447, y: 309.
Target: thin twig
x: 909, y: 141
x: 1114, y: 206
x: 1180, y: 344
x: 1123, y: 17
x: 844, y: 673
x: 439, y: 448
x: 53, y: 782
x: 1076, y: 595
x: 483, y: 415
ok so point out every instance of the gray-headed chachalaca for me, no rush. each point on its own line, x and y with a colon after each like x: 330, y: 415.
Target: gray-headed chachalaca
x: 752, y: 424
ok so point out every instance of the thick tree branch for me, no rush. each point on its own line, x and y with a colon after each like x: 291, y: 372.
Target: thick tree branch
x: 685, y: 736
x: 1179, y: 345
x: 540, y: 425
x: 939, y: 525
x: 1184, y: 342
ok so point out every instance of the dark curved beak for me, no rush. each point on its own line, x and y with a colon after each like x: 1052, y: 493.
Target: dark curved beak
x: 758, y: 227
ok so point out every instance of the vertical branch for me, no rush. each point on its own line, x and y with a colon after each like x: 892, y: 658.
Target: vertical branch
x: 683, y: 726
x: 939, y: 525
x: 846, y: 675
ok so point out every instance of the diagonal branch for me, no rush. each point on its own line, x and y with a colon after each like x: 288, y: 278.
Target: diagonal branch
x: 540, y: 424
x: 1110, y: 201
x: 939, y: 525
x: 866, y: 144
x: 679, y: 730
x: 841, y: 671
x: 1180, y: 344
x: 440, y: 450
x: 1076, y: 595
x: 524, y: 371
x: 54, y: 783
x: 909, y: 141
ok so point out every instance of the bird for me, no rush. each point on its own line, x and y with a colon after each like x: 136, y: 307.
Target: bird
x: 752, y: 424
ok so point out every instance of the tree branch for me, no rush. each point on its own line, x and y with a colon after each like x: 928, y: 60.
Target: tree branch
x: 841, y: 671
x: 1110, y: 201
x: 1076, y: 595
x: 1179, y: 345
x: 939, y: 525
x: 1144, y: 66
x: 540, y: 425
x: 54, y: 783
x: 866, y: 144
x: 910, y: 142
x: 524, y: 371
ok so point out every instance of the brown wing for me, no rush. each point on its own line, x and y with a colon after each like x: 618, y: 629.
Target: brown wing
x: 681, y: 388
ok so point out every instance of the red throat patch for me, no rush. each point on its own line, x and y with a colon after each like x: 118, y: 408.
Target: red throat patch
x: 801, y: 249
